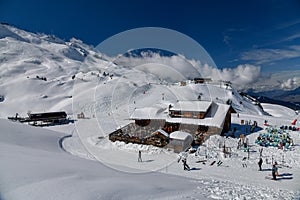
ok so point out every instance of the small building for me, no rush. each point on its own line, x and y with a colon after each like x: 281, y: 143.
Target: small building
x: 202, y: 80
x: 180, y: 141
x: 81, y: 116
x: 183, y: 83
x: 48, y: 118
x: 43, y: 119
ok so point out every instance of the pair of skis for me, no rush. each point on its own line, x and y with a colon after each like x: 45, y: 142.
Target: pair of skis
x: 219, y: 163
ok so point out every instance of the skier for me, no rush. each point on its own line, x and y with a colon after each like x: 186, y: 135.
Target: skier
x: 244, y: 164
x: 185, y: 166
x: 248, y: 152
x: 245, y: 143
x: 274, y: 171
x: 239, y: 143
x: 140, y: 157
x: 260, y: 163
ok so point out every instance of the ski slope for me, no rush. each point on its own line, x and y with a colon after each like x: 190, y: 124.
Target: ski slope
x: 77, y: 161
x: 279, y: 111
x: 33, y: 166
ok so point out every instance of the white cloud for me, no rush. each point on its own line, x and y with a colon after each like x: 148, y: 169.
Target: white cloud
x: 177, y: 68
x: 290, y: 84
x: 287, y: 80
x: 288, y: 24
x: 240, y: 76
x: 170, y: 68
x: 290, y: 38
x: 269, y: 55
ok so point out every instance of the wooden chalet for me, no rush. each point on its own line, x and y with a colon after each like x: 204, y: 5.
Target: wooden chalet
x: 197, y: 118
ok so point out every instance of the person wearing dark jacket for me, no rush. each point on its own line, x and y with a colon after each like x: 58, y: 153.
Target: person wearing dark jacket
x: 140, y: 157
x: 260, y: 163
x: 274, y: 171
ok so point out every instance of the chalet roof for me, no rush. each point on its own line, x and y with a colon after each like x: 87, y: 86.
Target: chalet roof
x: 215, y: 117
x: 197, y: 106
x: 155, y: 112
x: 163, y: 132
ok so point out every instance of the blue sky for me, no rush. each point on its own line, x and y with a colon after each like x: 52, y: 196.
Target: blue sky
x: 264, y: 33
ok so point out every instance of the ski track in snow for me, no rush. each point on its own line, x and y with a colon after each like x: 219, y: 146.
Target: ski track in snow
x: 215, y: 189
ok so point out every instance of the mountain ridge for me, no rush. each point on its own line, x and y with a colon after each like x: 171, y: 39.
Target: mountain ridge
x: 70, y: 70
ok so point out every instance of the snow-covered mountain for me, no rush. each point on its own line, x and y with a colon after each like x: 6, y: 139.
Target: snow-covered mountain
x: 43, y: 73
x: 279, y: 87
x: 289, y: 98
x: 27, y: 58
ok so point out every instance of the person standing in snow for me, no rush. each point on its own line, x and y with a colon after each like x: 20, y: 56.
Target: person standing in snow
x: 239, y: 143
x: 248, y: 152
x: 245, y: 143
x: 185, y: 166
x: 244, y: 164
x: 274, y: 171
x: 260, y: 162
x: 140, y: 157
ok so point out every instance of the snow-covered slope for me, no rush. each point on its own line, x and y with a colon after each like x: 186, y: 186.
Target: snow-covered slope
x: 40, y: 73
x: 27, y: 58
x: 278, y: 111
x: 33, y: 166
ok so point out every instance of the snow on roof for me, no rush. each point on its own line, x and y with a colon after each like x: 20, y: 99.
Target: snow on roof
x: 163, y: 132
x: 179, y: 135
x: 149, y: 113
x: 198, y: 106
x: 215, y: 117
